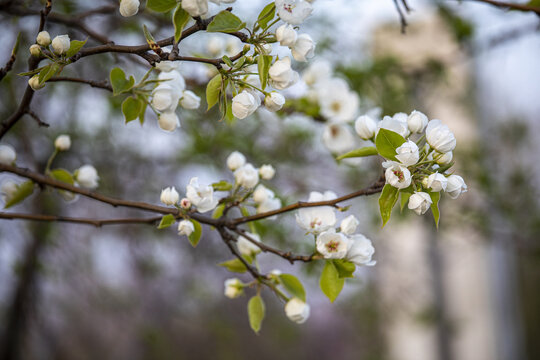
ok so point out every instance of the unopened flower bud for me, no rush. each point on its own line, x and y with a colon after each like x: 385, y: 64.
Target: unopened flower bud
x: 87, y: 176
x: 185, y: 204
x: 61, y: 44
x: 267, y: 172
x: 34, y: 83
x: 246, y: 49
x: 129, y: 7
x: 185, y: 227
x: 43, y: 38
x: 274, y: 101
x: 7, y: 155
x: 235, y: 160
x: 169, y: 196
x: 62, y: 143
x: 35, y: 50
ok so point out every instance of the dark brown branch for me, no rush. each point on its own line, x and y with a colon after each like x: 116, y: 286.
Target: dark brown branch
x: 510, y: 5
x: 402, y: 18
x: 96, y: 84
x: 228, y: 239
x: 36, y: 117
x: 86, y: 221
x: 9, y: 65
x: 373, y: 189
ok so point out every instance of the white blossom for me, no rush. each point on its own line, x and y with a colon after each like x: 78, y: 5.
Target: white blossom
x: 269, y: 204
x: 34, y: 83
x: 286, y: 35
x: 267, y: 172
x: 165, y: 98
x: 419, y: 202
x: 185, y: 227
x: 338, y: 103
x: 233, y: 288
x: 365, y: 127
x: 219, y: 2
x: 333, y: 245
x: 317, y: 219
x: 293, y: 12
x: 456, y: 186
x: 129, y: 7
x: 35, y: 50
x: 62, y: 143
x: 87, y: 176
x: 397, y: 175
x: 173, y: 78
x: 394, y: 125
x: 215, y: 45
x: 297, y: 310
x: 8, y: 189
x: 190, y: 100
x: 43, y: 38
x: 408, y: 153
x: 262, y: 193
x: 167, y: 66
x: 61, y: 44
x: 437, y: 182
x: 244, y: 104
x: 440, y: 137
x: 274, y: 101
x: 361, y: 251
x: 338, y: 138
x: 303, y: 48
x: 282, y: 75
x: 169, y: 196
x: 195, y: 7
x: 246, y: 247
x: 201, y: 196
x: 235, y: 160
x: 319, y: 70
x: 348, y: 225
x: 247, y: 176
x: 444, y: 159
x: 7, y: 155
x: 417, y: 122
x: 168, y: 121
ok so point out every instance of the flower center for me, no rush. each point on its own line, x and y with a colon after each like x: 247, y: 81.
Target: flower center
x: 288, y: 7
x: 336, y: 106
x: 315, y: 222
x: 399, y: 174
x: 332, y: 246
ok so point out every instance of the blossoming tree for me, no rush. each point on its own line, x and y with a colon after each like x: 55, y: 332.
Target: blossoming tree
x: 416, y: 152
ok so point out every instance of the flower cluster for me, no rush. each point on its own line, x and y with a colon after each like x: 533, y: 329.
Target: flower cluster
x: 59, y: 46
x: 169, y: 93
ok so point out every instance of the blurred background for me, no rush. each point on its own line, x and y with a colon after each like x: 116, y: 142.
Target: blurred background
x: 467, y: 291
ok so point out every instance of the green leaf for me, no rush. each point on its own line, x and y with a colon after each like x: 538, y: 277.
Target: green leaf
x: 365, y: 151
x: 387, y: 142
x: 63, y: 176
x: 225, y: 21
x: 131, y: 108
x: 266, y: 15
x: 293, y: 286
x: 166, y: 221
x: 222, y: 186
x: 161, y: 5
x: 143, y: 108
x: 227, y: 60
x: 263, y: 64
x: 229, y: 114
x: 119, y: 82
x: 404, y: 199
x: 48, y: 72
x: 330, y: 282
x: 218, y: 212
x: 180, y: 20
x: 74, y: 47
x: 24, y: 190
x: 344, y: 268
x: 148, y: 35
x: 435, y: 197
x: 256, y: 312
x: 195, y: 236
x: 213, y: 90
x: 234, y: 265
x: 387, y: 200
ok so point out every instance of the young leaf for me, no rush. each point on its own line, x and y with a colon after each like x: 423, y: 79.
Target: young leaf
x: 131, y: 108
x: 24, y: 190
x: 263, y: 64
x: 266, y: 15
x: 48, y: 72
x: 387, y: 200
x: 195, y: 236
x: 293, y: 286
x: 344, y: 268
x: 387, y: 142
x: 161, y: 5
x: 227, y: 60
x: 365, y: 151
x: 180, y: 19
x: 435, y: 197
x: 256, y: 312
x: 234, y: 265
x: 213, y: 90
x: 404, y: 199
x: 74, y: 47
x: 330, y: 282
x: 119, y: 82
x: 63, y: 175
x: 166, y: 221
x: 225, y: 21
x: 222, y: 186
x: 143, y: 108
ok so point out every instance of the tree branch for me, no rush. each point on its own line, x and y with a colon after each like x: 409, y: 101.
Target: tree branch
x: 402, y: 18
x: 86, y: 221
x: 510, y: 5
x: 96, y: 84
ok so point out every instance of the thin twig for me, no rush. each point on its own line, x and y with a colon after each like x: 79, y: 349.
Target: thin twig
x: 96, y: 84
x: 36, y: 117
x: 85, y: 221
x: 402, y: 18
x: 510, y: 5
